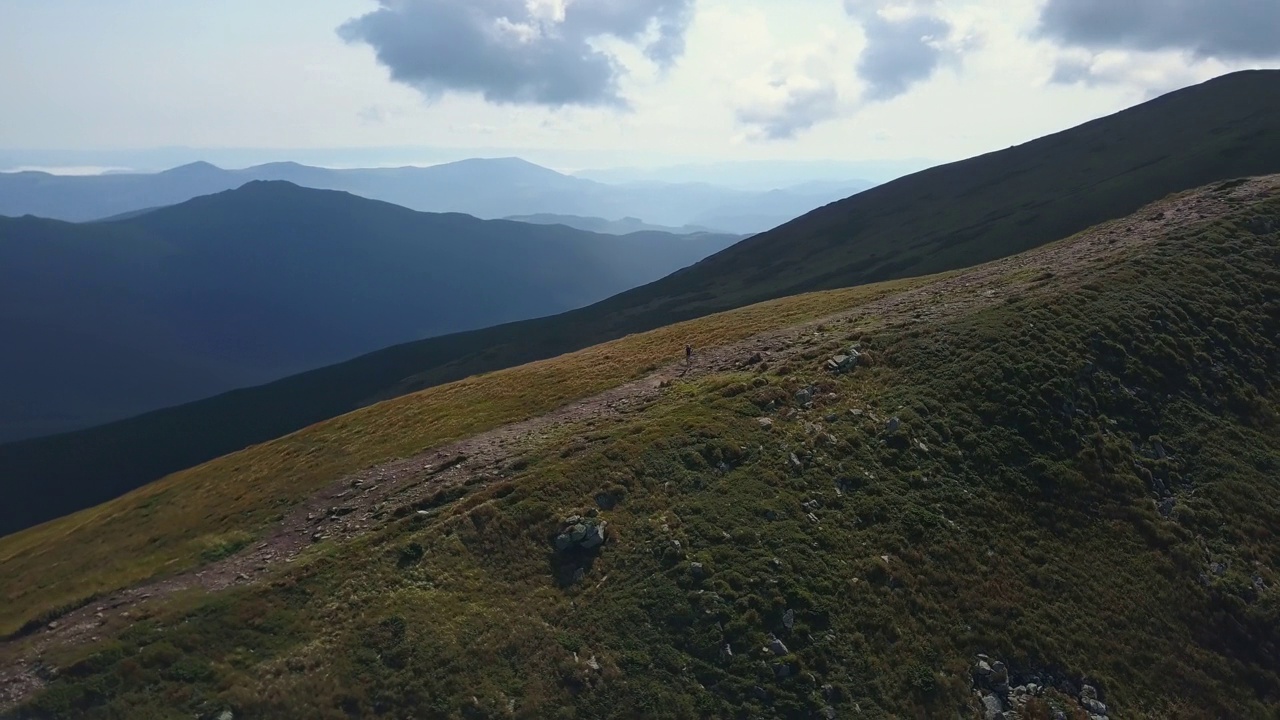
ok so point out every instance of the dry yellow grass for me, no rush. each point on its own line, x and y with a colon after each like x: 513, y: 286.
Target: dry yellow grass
x: 168, y: 525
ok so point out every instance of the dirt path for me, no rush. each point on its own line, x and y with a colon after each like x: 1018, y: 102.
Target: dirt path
x: 360, y: 502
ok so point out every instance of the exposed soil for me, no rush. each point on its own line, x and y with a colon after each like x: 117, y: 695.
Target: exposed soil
x: 365, y: 500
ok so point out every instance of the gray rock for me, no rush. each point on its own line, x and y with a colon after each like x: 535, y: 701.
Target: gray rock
x: 812, y: 518
x: 1059, y: 714
x: 1217, y: 568
x: 226, y: 715
x: 992, y: 707
x: 812, y: 505
x: 1094, y: 706
x: 982, y: 668
x: 595, y: 536
x: 795, y: 463
x: 697, y: 570
x: 563, y: 542
x: 789, y: 619
x: 782, y: 671
x: 829, y: 713
x: 999, y: 676
x: 578, y: 533
x: 573, y: 520
x: 726, y: 652
x: 804, y: 397
x: 765, y: 423
x: 777, y: 647
x: 593, y: 663
x: 893, y: 425
x: 1088, y: 692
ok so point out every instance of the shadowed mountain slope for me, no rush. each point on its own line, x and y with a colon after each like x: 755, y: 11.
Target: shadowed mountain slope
x: 107, y: 320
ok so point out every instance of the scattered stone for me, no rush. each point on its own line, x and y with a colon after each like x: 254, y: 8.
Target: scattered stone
x: 776, y: 646
x: 53, y: 625
x: 317, y: 536
x: 1165, y: 507
x: 789, y: 619
x: 811, y: 505
x: 726, y: 652
x: 795, y: 463
x: 812, y: 518
x: 982, y: 669
x: 423, y: 513
x: 1088, y: 692
x: 755, y: 359
x: 765, y: 423
x: 341, y: 511
x: 923, y: 448
x: 593, y: 663
x: 1093, y: 706
x: 226, y: 715
x: 804, y: 398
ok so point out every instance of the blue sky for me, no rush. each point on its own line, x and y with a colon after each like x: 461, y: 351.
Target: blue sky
x: 637, y: 81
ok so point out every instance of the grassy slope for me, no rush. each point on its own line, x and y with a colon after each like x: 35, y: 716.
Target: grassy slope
x: 1014, y: 513
x: 944, y: 218
x: 169, y: 525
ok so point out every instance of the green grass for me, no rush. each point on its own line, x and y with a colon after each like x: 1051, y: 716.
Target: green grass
x: 1013, y: 513
x: 942, y: 219
x: 207, y: 512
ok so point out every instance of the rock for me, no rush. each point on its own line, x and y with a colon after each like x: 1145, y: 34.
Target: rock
x: 423, y: 513
x: 782, y: 671
x: 1215, y: 568
x: 892, y: 426
x: 812, y: 518
x: 726, y: 652
x: 595, y: 536
x: 1088, y: 692
x: 829, y: 713
x: 829, y: 692
x: 578, y: 533
x: 563, y: 542
x: 1059, y: 714
x: 226, y: 715
x: 992, y: 707
x: 1165, y: 507
x: 317, y: 536
x: 593, y: 663
x: 777, y: 647
x: 795, y: 463
x: 1094, y: 706
x: 789, y: 619
x: 759, y: 693
x: 982, y: 668
x: 999, y: 677
x: 812, y: 505
x: 1033, y: 689
x: 765, y: 423
x: 52, y: 625
x: 804, y: 398
x: 697, y: 570
x: 755, y: 359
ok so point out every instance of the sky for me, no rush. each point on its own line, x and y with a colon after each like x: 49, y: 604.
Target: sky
x: 605, y: 82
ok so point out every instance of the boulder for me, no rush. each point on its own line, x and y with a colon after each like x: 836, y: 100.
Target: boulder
x: 578, y: 533
x: 777, y: 647
x: 765, y: 423
x: 992, y: 707
x: 804, y: 397
x: 595, y: 536
x: 892, y: 426
x: 789, y: 619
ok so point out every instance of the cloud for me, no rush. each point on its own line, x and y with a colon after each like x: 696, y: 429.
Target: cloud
x: 906, y: 43
x: 1148, y: 73
x: 531, y: 52
x: 790, y: 105
x: 1223, y: 29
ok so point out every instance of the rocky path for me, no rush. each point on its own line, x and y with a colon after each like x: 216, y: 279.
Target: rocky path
x: 357, y: 503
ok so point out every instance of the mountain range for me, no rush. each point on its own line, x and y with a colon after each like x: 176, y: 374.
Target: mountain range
x: 938, y: 220
x: 107, y: 320
x: 484, y: 188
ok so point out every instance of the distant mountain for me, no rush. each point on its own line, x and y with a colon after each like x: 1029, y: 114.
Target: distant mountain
x: 625, y: 226
x: 761, y: 175
x: 485, y: 188
x: 106, y: 320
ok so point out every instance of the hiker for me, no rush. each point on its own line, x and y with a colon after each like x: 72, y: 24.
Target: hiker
x: 688, y: 354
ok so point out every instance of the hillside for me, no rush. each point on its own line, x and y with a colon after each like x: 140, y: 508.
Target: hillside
x: 486, y: 188
x: 1048, y: 483
x: 948, y: 217
x: 107, y: 320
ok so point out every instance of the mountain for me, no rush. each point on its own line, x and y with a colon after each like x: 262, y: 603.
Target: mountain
x: 1045, y: 485
x: 762, y: 175
x: 108, y: 320
x: 938, y: 220
x: 486, y: 188
x: 610, y: 227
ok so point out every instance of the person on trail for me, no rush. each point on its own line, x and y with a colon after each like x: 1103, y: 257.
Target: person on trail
x: 688, y: 354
